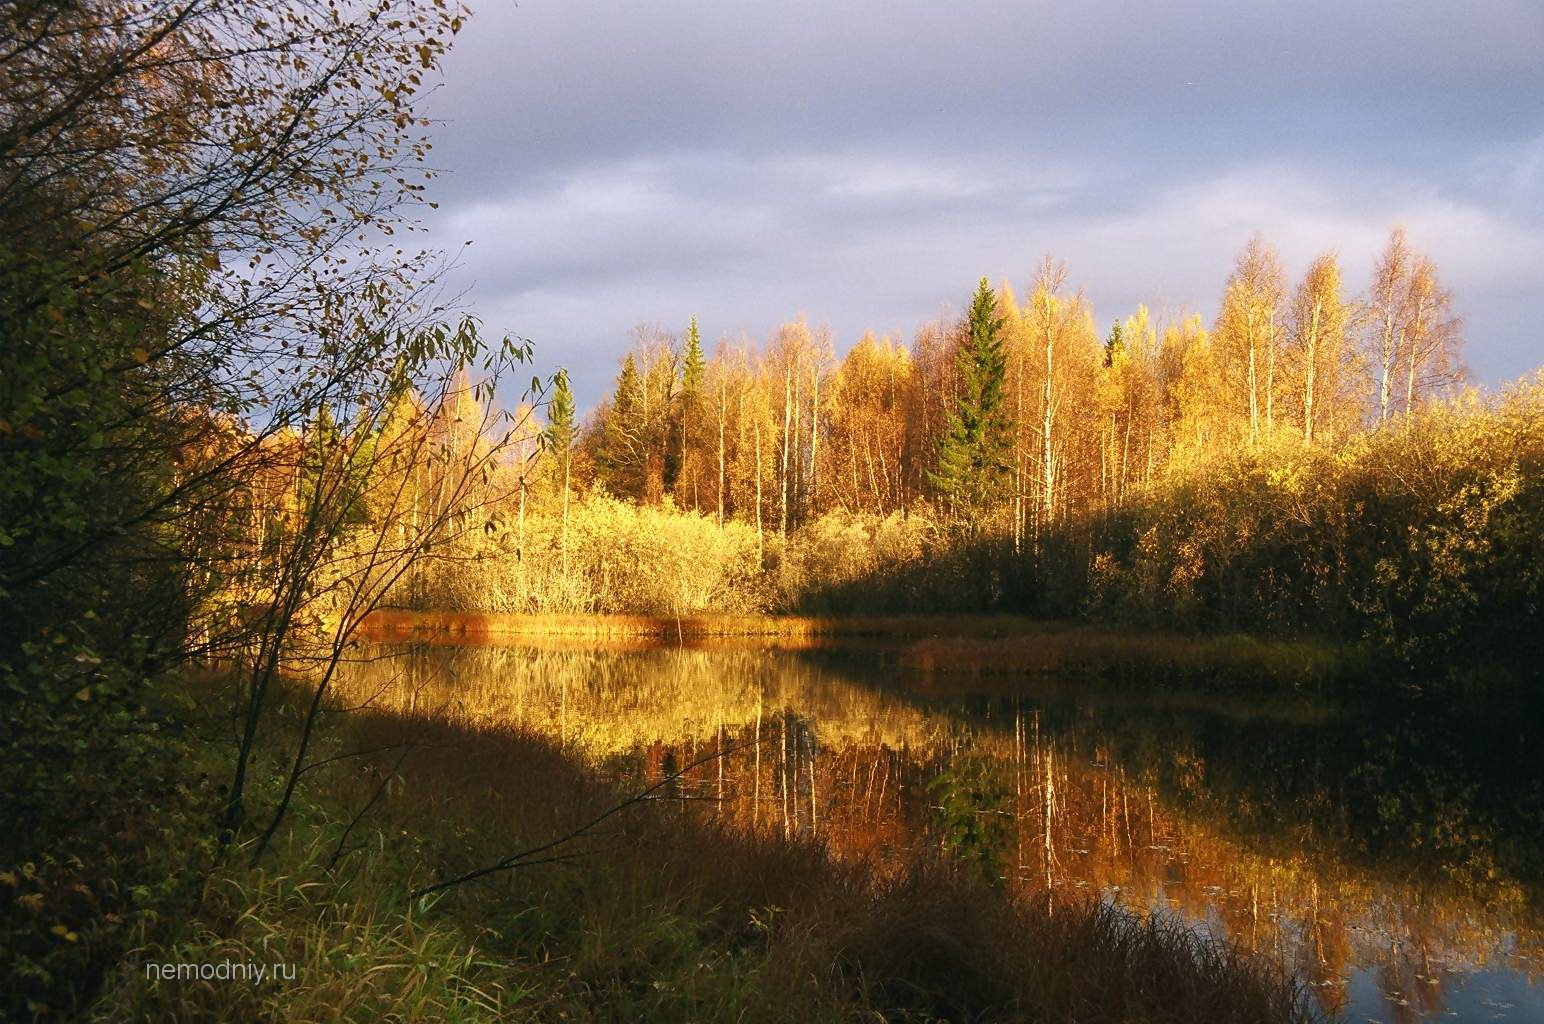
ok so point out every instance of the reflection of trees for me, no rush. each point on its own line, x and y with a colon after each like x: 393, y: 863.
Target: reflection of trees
x: 1396, y: 844
x: 1448, y: 796
x: 606, y: 704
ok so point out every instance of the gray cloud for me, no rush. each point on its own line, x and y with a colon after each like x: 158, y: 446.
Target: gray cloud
x: 864, y: 163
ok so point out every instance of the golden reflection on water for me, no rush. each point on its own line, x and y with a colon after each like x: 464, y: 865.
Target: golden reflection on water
x: 847, y: 754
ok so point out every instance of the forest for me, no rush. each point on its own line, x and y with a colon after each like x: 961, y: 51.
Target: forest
x: 1309, y: 463
x: 244, y: 432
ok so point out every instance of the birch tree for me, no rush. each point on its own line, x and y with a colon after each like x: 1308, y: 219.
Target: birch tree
x: 1246, y: 333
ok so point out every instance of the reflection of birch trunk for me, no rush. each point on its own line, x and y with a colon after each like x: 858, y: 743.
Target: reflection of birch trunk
x: 813, y: 818
x: 756, y: 796
x: 782, y: 769
x: 1125, y: 808
x: 1048, y: 813
x: 1018, y: 787
x: 868, y: 791
x: 879, y: 804
x: 689, y: 751
x: 1104, y: 800
x: 1315, y: 926
x: 1018, y: 750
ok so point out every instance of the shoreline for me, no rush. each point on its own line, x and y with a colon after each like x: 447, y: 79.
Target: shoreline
x: 966, y: 646
x: 388, y: 621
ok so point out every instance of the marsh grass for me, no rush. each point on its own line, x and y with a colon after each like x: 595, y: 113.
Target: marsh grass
x: 665, y: 915
x: 389, y: 623
x: 1141, y: 657
x: 957, y: 645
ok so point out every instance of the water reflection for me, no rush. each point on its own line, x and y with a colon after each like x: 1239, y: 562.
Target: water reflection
x: 1389, y: 853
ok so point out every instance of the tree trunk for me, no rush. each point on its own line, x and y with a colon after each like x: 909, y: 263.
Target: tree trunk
x: 1270, y: 377
x: 1310, y: 372
x: 563, y: 543
x: 1254, y: 396
x: 1047, y: 415
x: 723, y: 405
x: 760, y: 541
x: 814, y: 442
x: 782, y: 527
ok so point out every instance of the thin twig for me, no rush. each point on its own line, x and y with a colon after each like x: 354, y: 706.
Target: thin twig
x: 520, y: 857
x: 380, y: 789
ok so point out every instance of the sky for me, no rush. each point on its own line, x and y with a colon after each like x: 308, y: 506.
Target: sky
x: 864, y: 164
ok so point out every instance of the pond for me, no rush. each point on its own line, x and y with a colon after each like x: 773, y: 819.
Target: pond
x: 1388, y: 851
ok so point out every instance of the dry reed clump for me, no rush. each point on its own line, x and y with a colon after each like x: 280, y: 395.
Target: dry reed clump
x: 605, y: 555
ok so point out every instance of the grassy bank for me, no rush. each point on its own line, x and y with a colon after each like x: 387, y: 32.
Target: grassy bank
x: 664, y: 915
x: 959, y: 645
x: 482, y: 625
x: 1139, y: 657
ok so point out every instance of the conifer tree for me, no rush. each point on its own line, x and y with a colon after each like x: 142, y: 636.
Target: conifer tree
x: 622, y: 451
x: 1113, y: 345
x: 694, y: 364
x: 560, y: 441
x: 560, y: 420
x: 973, y: 455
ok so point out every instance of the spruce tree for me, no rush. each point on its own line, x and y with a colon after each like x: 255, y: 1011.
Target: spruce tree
x: 973, y: 457
x: 560, y: 439
x: 693, y: 366
x: 694, y: 362
x: 560, y: 419
x: 622, y: 452
x: 1114, y: 344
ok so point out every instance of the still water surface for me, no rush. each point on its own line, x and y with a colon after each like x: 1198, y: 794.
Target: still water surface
x: 1389, y: 852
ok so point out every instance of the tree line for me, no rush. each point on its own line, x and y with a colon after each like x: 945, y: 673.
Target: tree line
x: 1308, y: 461
x: 1019, y: 413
